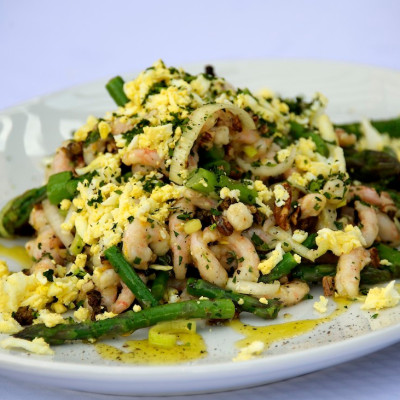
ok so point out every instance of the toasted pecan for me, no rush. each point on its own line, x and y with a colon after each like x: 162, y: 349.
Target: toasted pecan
x: 282, y: 213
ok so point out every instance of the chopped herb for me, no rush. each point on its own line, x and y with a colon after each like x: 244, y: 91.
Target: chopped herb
x: 49, y: 274
x: 184, y: 216
x: 137, y: 260
x: 339, y: 225
x: 215, y: 212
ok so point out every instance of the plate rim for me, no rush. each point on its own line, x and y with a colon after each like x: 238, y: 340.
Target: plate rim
x: 197, y: 64
x: 10, y: 361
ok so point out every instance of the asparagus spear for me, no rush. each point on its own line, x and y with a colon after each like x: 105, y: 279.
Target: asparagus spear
x: 389, y: 126
x: 130, y: 321
x: 311, y: 273
x: 282, y: 268
x: 14, y: 216
x: 115, y: 88
x: 369, y: 275
x: 310, y: 241
x: 371, y: 166
x: 299, y: 131
x: 199, y: 287
x: 130, y: 277
x: 159, y: 285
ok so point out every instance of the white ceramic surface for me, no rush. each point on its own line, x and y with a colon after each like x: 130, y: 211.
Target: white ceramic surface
x: 33, y: 130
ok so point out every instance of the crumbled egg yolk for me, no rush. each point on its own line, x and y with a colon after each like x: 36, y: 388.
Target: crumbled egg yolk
x: 81, y: 314
x: 8, y: 324
x: 310, y: 164
x: 65, y: 204
x: 19, y: 290
x: 273, y: 259
x: 49, y: 319
x: 226, y: 193
x: 283, y: 154
x: 281, y: 195
x: 381, y: 297
x: 82, y: 133
x: 104, y: 129
x: 321, y: 305
x: 102, y: 223
x: 105, y: 315
x: 253, y: 349
x: 339, y: 242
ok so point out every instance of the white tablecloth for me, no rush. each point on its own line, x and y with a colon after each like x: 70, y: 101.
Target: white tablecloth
x: 47, y: 46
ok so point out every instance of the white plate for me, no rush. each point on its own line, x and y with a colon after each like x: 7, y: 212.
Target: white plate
x: 33, y: 130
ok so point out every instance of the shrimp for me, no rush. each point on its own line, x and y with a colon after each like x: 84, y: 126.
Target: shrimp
x: 347, y: 279
x: 143, y: 241
x: 204, y: 259
x: 387, y: 204
x: 43, y: 265
x: 106, y: 281
x: 46, y: 244
x: 37, y: 218
x: 108, y: 297
x: 369, y: 222
x: 247, y: 256
x: 91, y: 151
x: 292, y: 292
x: 311, y: 205
x: 179, y: 240
x: 146, y: 157
x: 198, y: 200
x: 124, y: 300
x: 118, y: 127
x: 224, y: 255
x: 383, y: 200
x: 345, y: 139
x: 388, y: 231
x: 61, y: 162
x: 248, y: 136
x: 259, y: 232
x: 365, y: 193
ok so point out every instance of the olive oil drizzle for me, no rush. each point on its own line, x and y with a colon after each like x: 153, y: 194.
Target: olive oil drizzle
x: 190, y: 346
x: 273, y: 333
x: 17, y: 253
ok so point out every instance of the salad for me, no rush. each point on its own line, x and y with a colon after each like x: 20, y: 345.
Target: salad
x: 194, y: 199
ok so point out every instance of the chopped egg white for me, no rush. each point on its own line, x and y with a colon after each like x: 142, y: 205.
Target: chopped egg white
x: 382, y: 297
x: 321, y: 305
x: 8, y: 324
x: 281, y: 195
x: 273, y: 258
x: 49, y: 318
x: 36, y: 346
x: 299, y: 235
x: 81, y: 314
x: 339, y: 242
x: 105, y: 315
x: 252, y: 350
